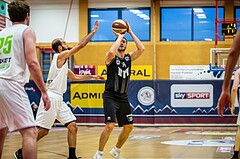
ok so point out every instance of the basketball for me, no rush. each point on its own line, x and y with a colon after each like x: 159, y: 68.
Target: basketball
x: 119, y: 26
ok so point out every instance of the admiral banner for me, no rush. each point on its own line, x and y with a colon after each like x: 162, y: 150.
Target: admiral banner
x: 87, y: 95
x: 138, y: 72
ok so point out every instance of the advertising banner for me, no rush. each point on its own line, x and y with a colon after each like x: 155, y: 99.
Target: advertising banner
x: 153, y: 102
x: 138, y: 72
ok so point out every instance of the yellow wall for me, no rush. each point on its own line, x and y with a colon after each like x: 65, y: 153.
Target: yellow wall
x: 166, y: 53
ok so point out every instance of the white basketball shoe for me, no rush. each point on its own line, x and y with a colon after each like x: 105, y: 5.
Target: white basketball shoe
x: 98, y: 155
x: 115, y: 153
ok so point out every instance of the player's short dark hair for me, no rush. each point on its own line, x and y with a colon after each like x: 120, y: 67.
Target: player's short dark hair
x: 123, y: 38
x: 18, y: 10
x: 55, y: 43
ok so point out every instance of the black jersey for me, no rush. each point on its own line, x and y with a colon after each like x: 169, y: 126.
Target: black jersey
x: 118, y: 74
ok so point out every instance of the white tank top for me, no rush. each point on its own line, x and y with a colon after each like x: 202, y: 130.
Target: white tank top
x: 57, y: 77
x: 13, y: 64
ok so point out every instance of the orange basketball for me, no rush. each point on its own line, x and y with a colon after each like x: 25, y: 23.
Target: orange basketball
x: 119, y: 26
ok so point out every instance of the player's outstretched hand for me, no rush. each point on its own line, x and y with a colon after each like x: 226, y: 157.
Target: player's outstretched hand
x: 128, y: 27
x: 98, y: 77
x: 95, y: 27
x: 223, y: 101
x: 46, y: 101
x: 116, y: 34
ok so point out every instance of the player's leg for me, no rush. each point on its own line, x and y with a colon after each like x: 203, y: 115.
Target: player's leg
x: 110, y: 107
x: 3, y: 131
x: 29, y: 142
x: 103, y: 139
x: 17, y: 114
x: 3, y: 134
x: 42, y: 132
x: 123, y: 136
x: 72, y: 134
x: 45, y: 119
x: 125, y: 120
x: 105, y: 135
x: 67, y: 118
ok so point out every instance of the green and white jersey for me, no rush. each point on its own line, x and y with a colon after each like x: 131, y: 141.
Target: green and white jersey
x: 13, y: 64
x: 57, y: 77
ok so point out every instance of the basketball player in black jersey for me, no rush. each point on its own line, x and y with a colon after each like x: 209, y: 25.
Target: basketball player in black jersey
x: 115, y: 98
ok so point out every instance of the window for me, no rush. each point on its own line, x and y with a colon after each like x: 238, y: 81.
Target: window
x: 237, y: 16
x: 138, y: 18
x: 189, y: 24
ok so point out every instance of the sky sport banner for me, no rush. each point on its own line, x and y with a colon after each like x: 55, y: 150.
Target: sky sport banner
x: 138, y: 72
x: 153, y: 102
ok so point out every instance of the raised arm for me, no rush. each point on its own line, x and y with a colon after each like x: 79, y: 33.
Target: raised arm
x: 233, y: 56
x: 33, y: 64
x: 75, y: 77
x: 82, y: 43
x: 113, y: 49
x: 140, y: 47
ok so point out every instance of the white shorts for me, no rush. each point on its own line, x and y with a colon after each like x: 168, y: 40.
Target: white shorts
x: 58, y: 110
x: 15, y: 109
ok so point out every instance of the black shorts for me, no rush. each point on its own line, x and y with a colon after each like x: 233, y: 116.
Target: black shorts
x: 117, y: 105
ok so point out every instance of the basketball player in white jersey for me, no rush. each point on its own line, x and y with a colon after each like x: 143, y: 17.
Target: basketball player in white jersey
x: 17, y: 60
x: 57, y: 85
x: 115, y: 98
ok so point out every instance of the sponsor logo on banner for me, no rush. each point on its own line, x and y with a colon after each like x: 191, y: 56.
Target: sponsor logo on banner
x: 87, y: 95
x: 191, y: 95
x: 138, y: 72
x: 146, y: 96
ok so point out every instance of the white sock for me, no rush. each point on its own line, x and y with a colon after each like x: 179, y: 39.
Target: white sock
x: 100, y: 152
x: 118, y: 149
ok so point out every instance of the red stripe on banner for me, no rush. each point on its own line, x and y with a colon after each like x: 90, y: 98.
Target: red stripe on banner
x: 164, y: 120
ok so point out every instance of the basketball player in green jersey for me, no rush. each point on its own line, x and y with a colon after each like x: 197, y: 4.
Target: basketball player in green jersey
x: 115, y: 98
x: 18, y: 60
x: 57, y: 85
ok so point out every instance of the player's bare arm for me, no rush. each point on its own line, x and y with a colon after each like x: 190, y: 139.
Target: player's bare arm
x: 140, y: 47
x: 33, y: 65
x: 83, y: 42
x: 75, y: 77
x: 112, y: 51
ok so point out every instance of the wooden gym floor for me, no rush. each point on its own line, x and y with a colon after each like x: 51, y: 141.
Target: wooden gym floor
x: 143, y: 143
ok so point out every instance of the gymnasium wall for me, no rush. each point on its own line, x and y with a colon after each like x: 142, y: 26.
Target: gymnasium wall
x: 166, y: 108
x: 158, y: 54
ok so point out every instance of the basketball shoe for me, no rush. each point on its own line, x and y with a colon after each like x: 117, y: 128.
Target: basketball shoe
x: 18, y: 154
x: 115, y: 153
x: 234, y: 157
x: 98, y: 155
